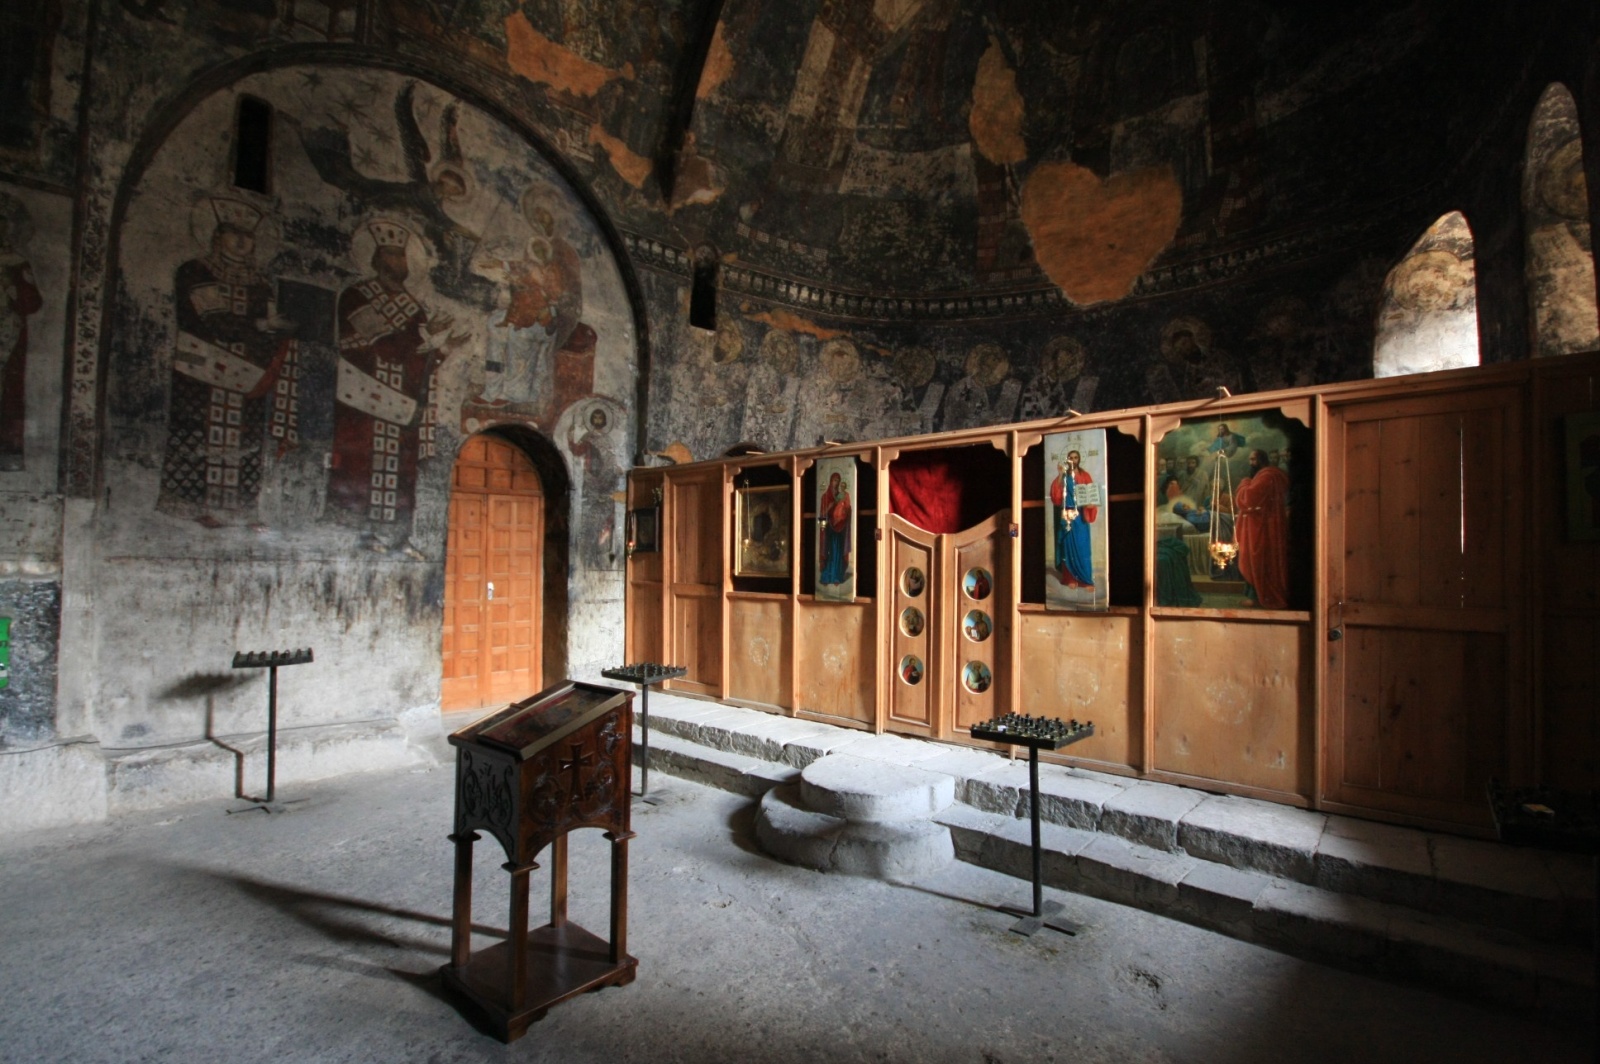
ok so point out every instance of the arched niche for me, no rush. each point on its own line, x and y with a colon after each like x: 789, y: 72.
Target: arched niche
x: 1560, y: 259
x: 1428, y: 318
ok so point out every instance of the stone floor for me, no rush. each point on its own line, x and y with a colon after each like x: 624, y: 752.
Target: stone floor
x: 314, y: 934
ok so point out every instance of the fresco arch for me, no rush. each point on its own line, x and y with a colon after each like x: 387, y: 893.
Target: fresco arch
x: 1556, y: 210
x: 1428, y: 315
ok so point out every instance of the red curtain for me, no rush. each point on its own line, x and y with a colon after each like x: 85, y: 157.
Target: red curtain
x: 950, y: 489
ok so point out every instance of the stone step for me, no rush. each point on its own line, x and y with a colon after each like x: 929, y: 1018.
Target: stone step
x: 893, y: 850
x: 856, y: 789
x: 1362, y: 934
x: 1546, y: 896
x: 1329, y: 888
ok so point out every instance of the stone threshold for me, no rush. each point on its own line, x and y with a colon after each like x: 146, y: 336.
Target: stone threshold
x: 1496, y: 923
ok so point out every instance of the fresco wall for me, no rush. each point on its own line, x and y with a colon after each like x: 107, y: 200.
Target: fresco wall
x: 921, y: 215
x: 294, y: 370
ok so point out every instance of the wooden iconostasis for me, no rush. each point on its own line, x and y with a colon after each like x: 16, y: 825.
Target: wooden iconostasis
x: 1367, y: 597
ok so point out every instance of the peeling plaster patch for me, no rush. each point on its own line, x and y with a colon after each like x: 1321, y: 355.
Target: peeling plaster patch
x: 1094, y: 238
x: 996, y: 119
x: 543, y: 61
x: 719, y: 65
x: 779, y: 318
x: 631, y: 167
x: 697, y: 181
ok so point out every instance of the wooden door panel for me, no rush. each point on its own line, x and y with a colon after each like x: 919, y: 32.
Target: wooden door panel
x: 490, y: 642
x: 1421, y: 687
x: 912, y: 704
x: 986, y: 655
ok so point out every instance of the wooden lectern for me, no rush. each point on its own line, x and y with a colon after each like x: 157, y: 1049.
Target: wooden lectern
x: 528, y: 775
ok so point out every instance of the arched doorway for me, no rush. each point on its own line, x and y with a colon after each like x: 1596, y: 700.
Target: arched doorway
x: 494, y: 550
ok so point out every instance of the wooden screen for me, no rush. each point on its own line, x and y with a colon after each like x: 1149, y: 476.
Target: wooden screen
x: 1426, y: 496
x: 493, y: 577
x: 695, y: 573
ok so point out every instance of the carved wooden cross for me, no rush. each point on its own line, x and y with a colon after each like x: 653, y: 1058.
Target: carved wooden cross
x: 577, y: 763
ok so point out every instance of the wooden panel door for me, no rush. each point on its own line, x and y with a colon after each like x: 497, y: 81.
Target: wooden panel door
x: 1425, y: 700
x: 494, y: 553
x: 976, y: 612
x: 915, y: 661
x: 695, y: 512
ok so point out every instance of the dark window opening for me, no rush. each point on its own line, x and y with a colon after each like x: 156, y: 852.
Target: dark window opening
x: 252, y: 145
x: 703, y: 296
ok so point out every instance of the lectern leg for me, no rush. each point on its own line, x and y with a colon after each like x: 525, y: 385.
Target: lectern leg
x: 517, y: 969
x: 558, y: 881
x: 619, y: 894
x: 461, y: 913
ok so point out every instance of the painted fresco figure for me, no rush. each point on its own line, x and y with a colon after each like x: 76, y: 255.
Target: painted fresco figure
x: 19, y: 298
x: 232, y: 370
x: 1195, y: 481
x: 544, y: 302
x: 389, y: 348
x: 834, y: 515
x: 1074, y: 549
x: 1261, y: 522
x: 1226, y: 442
x: 593, y: 453
x: 427, y: 193
x: 771, y: 393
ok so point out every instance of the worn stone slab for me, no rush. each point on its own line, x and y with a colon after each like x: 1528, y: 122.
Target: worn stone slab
x: 722, y: 769
x: 961, y: 763
x: 1009, y: 849
x: 789, y: 831
x: 893, y: 850
x: 892, y: 749
x: 802, y: 751
x: 1002, y: 789
x: 1071, y: 799
x: 766, y: 738
x: 970, y: 829
x: 1492, y: 866
x: 1149, y: 813
x: 668, y: 706
x: 1376, y: 861
x: 1494, y: 965
x: 1504, y: 886
x: 1220, y: 897
x: 1120, y: 871
x: 1321, y: 924
x: 714, y: 730
x: 1245, y: 833
x: 858, y: 789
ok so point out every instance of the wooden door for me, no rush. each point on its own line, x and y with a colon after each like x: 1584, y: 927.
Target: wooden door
x: 1424, y: 699
x: 916, y: 666
x: 493, y: 577
x: 695, y: 510
x: 949, y: 642
x: 976, y: 629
